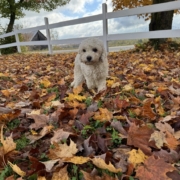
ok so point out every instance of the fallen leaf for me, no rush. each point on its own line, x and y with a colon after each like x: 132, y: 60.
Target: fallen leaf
x: 62, y: 174
x: 139, y: 137
x: 17, y: 170
x: 77, y: 159
x: 100, y: 163
x: 159, y: 138
x: 154, y: 169
x: 136, y: 157
x: 8, y: 144
x: 63, y: 150
x: 103, y: 115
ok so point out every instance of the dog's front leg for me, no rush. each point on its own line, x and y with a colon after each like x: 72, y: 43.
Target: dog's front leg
x: 78, y: 76
x: 101, y: 84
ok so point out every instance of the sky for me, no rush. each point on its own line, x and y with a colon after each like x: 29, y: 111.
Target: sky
x: 83, y: 8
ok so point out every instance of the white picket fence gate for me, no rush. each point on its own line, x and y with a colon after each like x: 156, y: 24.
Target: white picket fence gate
x: 104, y: 17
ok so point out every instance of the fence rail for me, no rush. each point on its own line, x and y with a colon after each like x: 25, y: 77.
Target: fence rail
x: 104, y: 18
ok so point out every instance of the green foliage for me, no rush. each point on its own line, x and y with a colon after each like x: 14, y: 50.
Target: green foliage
x: 8, y: 7
x: 44, y: 157
x: 88, y: 101
x: 13, y: 124
x: 86, y: 130
x: 33, y: 177
x: 77, y: 175
x: 100, y: 103
x: 6, y: 172
x: 22, y: 142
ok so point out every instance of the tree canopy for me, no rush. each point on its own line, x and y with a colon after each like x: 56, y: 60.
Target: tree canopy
x: 15, y: 9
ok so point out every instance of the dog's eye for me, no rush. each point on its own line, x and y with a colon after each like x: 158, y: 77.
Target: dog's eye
x: 95, y: 50
x: 84, y: 50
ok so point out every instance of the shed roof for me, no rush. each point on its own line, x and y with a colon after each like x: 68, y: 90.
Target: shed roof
x: 38, y: 35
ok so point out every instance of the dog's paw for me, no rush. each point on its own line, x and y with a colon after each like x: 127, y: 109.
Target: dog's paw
x: 72, y: 84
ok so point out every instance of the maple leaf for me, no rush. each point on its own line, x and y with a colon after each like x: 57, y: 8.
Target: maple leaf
x: 172, y: 142
x: 45, y: 82
x: 59, y: 135
x: 159, y: 138
x: 128, y: 87
x: 75, y: 95
x: 154, y: 169
x: 170, y: 157
x: 63, y: 150
x: 40, y: 121
x: 100, y: 163
x: 61, y: 174
x: 16, y: 169
x: 139, y: 137
x: 7, y: 117
x: 147, y: 110
x: 8, y: 144
x: 103, y: 115
x: 136, y: 157
x: 164, y: 127
x: 88, y: 176
x: 43, y: 132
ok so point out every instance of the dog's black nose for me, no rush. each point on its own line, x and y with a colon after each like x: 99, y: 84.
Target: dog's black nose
x: 89, y: 58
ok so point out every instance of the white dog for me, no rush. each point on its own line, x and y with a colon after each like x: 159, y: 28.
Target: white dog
x: 91, y: 65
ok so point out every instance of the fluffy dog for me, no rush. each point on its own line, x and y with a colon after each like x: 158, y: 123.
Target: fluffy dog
x: 91, y: 65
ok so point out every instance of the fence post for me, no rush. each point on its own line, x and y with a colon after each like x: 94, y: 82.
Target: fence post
x: 17, y: 39
x: 48, y: 35
x: 105, y: 26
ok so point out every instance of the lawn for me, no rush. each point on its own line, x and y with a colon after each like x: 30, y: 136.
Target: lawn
x: 51, y: 131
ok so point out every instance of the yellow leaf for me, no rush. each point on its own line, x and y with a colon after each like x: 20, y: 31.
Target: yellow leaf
x: 34, y: 132
x: 78, y: 89
x: 41, y: 178
x: 5, y: 93
x: 136, y: 157
x: 17, y: 170
x: 61, y: 175
x: 45, y: 82
x: 103, y: 115
x: 77, y: 159
x: 159, y: 107
x: 8, y: 144
x: 128, y: 87
x: 100, y: 163
x: 27, y: 68
x: 73, y: 97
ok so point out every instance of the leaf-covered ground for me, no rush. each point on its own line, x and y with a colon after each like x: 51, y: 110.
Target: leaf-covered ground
x: 51, y: 131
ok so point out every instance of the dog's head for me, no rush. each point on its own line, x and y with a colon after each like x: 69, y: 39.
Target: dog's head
x: 91, y: 51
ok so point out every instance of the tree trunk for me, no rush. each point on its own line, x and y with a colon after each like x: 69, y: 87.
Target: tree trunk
x: 160, y: 21
x: 10, y: 39
x: 11, y: 22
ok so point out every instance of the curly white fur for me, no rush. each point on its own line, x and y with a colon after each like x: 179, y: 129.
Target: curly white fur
x: 91, y: 64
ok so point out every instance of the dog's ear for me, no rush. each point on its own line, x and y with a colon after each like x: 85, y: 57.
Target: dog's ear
x: 103, y: 55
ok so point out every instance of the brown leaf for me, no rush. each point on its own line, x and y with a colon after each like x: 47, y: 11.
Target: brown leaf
x: 170, y: 157
x: 61, y: 174
x: 100, y: 163
x: 40, y: 121
x: 59, y: 135
x: 139, y: 137
x: 154, y: 169
x: 147, y: 110
x: 172, y: 142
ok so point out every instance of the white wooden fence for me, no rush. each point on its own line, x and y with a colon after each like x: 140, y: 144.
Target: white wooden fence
x: 104, y: 17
